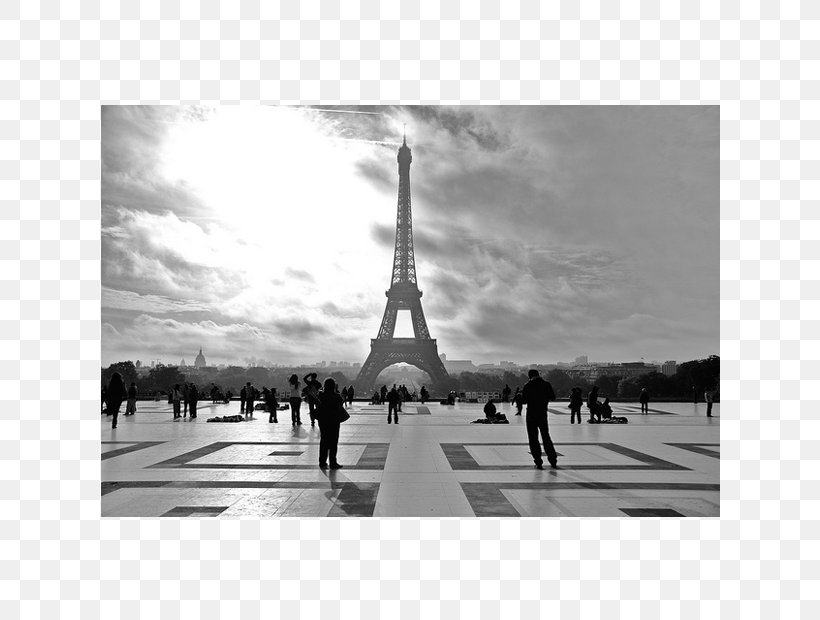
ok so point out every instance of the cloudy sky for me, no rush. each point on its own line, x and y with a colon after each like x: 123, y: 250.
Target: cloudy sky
x: 542, y: 233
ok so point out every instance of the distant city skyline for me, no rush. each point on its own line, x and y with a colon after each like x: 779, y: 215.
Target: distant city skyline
x: 540, y: 231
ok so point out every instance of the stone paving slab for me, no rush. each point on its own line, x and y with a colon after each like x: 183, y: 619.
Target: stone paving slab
x: 433, y: 463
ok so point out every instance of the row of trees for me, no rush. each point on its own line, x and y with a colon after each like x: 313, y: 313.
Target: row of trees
x: 691, y: 378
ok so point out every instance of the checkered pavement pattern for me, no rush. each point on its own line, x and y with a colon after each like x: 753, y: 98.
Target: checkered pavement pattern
x: 59, y: 60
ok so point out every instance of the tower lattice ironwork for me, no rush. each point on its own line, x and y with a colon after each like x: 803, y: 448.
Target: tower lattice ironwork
x: 404, y: 294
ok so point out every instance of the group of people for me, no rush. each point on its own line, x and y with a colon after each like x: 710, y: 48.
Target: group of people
x: 114, y: 393
x: 380, y: 396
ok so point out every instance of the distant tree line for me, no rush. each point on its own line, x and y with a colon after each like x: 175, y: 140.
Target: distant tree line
x: 691, y: 377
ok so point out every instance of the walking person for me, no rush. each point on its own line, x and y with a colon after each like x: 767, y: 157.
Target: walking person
x: 193, y: 399
x: 575, y: 404
x: 312, y: 387
x: 518, y: 399
x: 131, y: 407
x: 176, y: 398
x: 115, y: 394
x: 329, y: 403
x: 644, y: 400
x: 250, y: 396
x: 295, y: 401
x: 393, y: 401
x: 350, y: 392
x: 593, y: 405
x: 423, y: 394
x: 538, y: 394
x: 344, y: 397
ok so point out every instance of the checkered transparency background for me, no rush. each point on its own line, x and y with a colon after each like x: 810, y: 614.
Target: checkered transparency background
x: 60, y: 60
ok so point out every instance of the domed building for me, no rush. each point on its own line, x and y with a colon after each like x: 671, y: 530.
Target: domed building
x: 199, y: 362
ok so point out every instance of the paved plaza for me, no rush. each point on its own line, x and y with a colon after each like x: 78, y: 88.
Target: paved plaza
x: 433, y: 464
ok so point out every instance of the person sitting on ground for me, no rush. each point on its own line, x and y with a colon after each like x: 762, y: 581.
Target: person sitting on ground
x: 606, y: 409
x: 490, y: 410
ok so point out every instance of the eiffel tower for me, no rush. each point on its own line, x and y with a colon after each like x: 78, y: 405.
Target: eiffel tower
x: 404, y: 294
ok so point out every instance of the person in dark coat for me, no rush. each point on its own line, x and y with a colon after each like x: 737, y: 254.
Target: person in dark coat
x: 193, y: 399
x: 242, y: 395
x: 312, y: 387
x: 575, y: 404
x: 537, y: 395
x: 250, y: 396
x: 350, y: 393
x: 505, y: 393
x: 393, y: 400
x: 593, y: 405
x: 424, y: 394
x: 272, y: 404
x: 176, y: 396
x: 606, y: 409
x: 344, y: 396
x: 490, y: 411
x: 518, y: 399
x: 329, y: 403
x: 115, y: 393
x: 383, y: 394
x: 644, y: 400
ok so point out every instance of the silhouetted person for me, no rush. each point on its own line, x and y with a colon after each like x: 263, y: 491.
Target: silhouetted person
x: 538, y: 394
x: 606, y: 409
x: 131, y: 407
x: 243, y: 394
x: 350, y: 393
x: 184, y: 400
x: 176, y: 396
x: 505, y: 393
x: 424, y: 394
x: 272, y: 404
x: 193, y: 399
x: 489, y: 410
x: 312, y: 387
x: 214, y: 393
x: 518, y: 399
x: 593, y: 405
x: 115, y: 394
x: 295, y: 401
x: 344, y: 396
x: 393, y: 400
x: 329, y: 403
x: 383, y: 393
x: 249, y: 398
x: 644, y: 400
x: 709, y: 396
x: 576, y: 401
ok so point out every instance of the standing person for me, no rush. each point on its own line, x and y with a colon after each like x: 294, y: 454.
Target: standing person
x: 344, y: 397
x: 193, y: 399
x: 709, y: 396
x: 350, y: 392
x: 250, y: 396
x: 505, y: 393
x: 424, y: 394
x: 575, y: 403
x: 393, y: 400
x: 295, y: 401
x: 383, y: 393
x: 184, y: 400
x: 518, y: 399
x: 312, y: 387
x: 329, y: 403
x: 644, y: 400
x: 131, y: 407
x: 272, y: 403
x: 176, y: 397
x: 115, y: 394
x: 593, y: 405
x: 243, y: 394
x: 538, y: 394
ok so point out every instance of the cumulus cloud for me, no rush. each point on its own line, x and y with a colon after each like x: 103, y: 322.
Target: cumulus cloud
x: 541, y: 233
